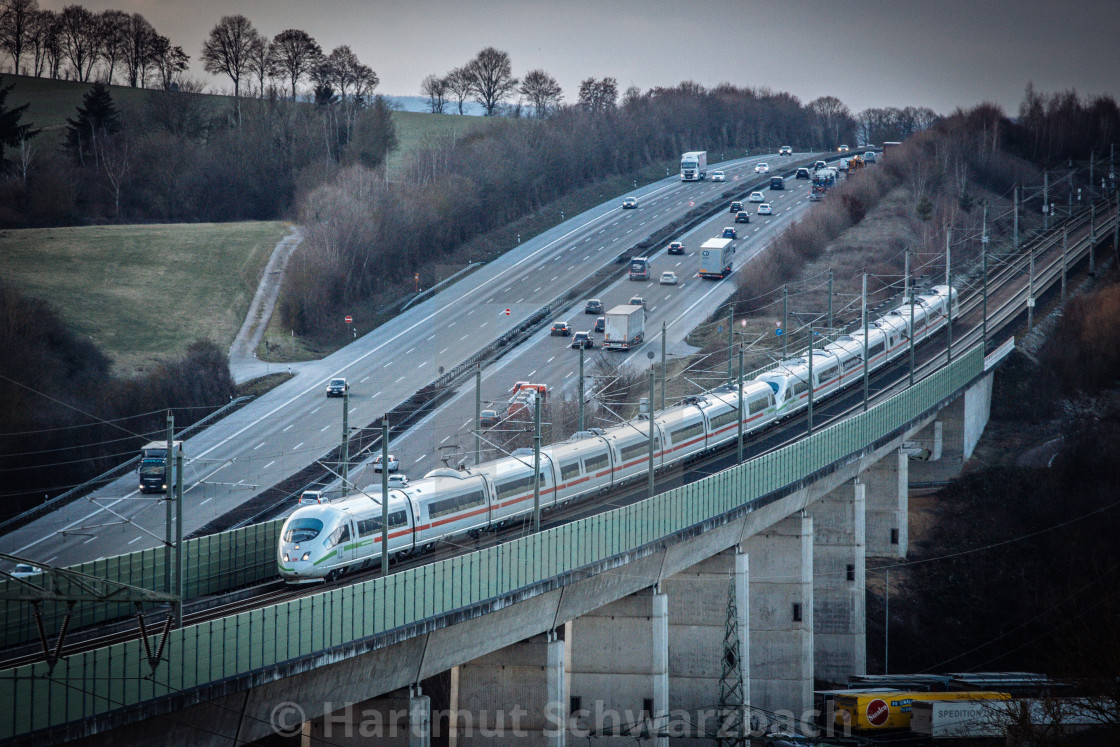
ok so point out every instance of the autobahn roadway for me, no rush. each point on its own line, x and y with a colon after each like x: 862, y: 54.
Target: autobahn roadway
x: 290, y: 427
x: 448, y: 432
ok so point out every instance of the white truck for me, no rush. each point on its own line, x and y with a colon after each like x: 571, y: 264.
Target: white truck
x: 694, y: 166
x: 625, y: 327
x: 715, y: 258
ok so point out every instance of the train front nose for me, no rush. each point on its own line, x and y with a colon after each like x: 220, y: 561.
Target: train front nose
x: 295, y: 562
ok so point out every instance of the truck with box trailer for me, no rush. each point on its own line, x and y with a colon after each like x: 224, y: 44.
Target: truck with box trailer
x: 715, y: 258
x: 625, y: 327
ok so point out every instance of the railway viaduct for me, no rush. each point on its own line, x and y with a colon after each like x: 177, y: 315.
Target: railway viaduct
x: 621, y: 625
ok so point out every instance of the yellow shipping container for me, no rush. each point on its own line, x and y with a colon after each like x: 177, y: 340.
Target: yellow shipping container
x: 875, y: 711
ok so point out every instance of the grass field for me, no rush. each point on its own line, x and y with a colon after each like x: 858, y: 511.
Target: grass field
x: 52, y: 101
x: 140, y: 292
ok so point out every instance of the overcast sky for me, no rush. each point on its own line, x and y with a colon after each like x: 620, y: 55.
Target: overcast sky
x: 936, y: 53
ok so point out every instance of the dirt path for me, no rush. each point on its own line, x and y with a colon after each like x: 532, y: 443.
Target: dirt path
x: 243, y: 362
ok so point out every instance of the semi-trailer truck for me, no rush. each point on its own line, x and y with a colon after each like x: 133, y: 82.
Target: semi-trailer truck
x: 715, y: 258
x: 694, y: 166
x: 152, y: 472
x: 625, y: 327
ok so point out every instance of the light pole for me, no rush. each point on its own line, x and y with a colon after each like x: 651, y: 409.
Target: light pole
x: 810, y: 379
x: 649, y: 421
x: 581, y: 387
x: 730, y: 339
x: 949, y: 285
x: 741, y: 413
x: 477, y: 414
x: 346, y: 439
x: 537, y: 462
x: 984, y: 307
x: 663, y: 366
x: 385, y: 495
x: 866, y: 362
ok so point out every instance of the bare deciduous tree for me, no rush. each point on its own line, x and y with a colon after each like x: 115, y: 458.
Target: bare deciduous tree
x: 259, y: 65
x: 16, y: 23
x: 436, y: 89
x: 294, y: 53
x: 169, y: 61
x: 836, y: 120
x: 138, y: 48
x: 598, y: 95
x: 491, y: 78
x: 113, y: 26
x: 543, y: 92
x: 81, y: 40
x: 228, y: 48
x: 459, y: 85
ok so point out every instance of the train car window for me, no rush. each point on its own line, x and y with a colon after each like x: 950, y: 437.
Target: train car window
x: 757, y: 405
x: 453, y: 505
x: 877, y: 348
x: 827, y: 372
x: 593, y: 463
x: 853, y: 363
x: 689, y: 431
x: 799, y: 387
x: 724, y: 418
x: 641, y: 448
x: 513, y: 487
x: 303, y: 530
x: 570, y: 470
x: 370, y: 526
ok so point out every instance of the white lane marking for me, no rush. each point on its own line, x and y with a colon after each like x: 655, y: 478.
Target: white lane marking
x: 293, y: 425
x: 274, y: 461
x: 474, y: 310
x: 425, y: 456
x: 203, y: 503
x: 485, y: 323
x: 262, y: 442
x: 452, y: 324
x: 426, y: 363
x: 538, y: 288
x: 91, y: 539
x: 387, y: 364
x: 328, y: 425
x: 320, y: 407
x: 362, y: 381
x: 570, y: 373
x: 142, y: 537
x: 554, y: 280
x: 535, y: 370
x: 411, y: 349
x: 466, y: 336
x: 375, y: 396
x: 550, y: 360
x: 294, y: 448
x: 447, y: 437
x: 402, y: 379
x: 445, y: 350
x: 355, y: 407
x: 432, y: 337
x: 676, y: 265
x: 465, y: 424
x: 585, y: 259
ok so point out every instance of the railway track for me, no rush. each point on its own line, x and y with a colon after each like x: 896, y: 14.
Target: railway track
x: 1007, y: 293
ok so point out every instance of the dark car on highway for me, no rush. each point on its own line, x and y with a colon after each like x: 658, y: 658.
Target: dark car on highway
x: 600, y: 324
x: 594, y: 306
x: 583, y: 340
x: 337, y: 388
x: 561, y: 329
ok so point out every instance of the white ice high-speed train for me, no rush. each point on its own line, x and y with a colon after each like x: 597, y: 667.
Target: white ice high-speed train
x: 324, y: 541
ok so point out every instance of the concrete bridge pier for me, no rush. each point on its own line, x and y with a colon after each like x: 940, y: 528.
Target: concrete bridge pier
x: 887, y: 506
x: 839, y: 588
x: 697, y: 627
x: 513, y: 695
x: 781, y: 615
x: 401, y: 718
x: 620, y: 671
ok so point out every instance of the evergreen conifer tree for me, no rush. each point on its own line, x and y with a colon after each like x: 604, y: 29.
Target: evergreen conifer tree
x: 97, y: 118
x: 11, y: 131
